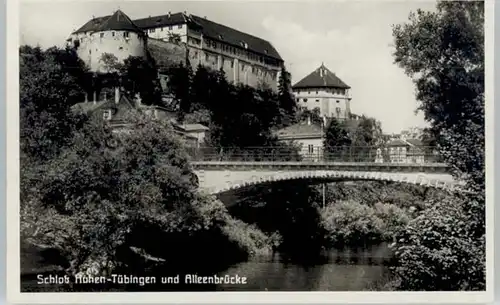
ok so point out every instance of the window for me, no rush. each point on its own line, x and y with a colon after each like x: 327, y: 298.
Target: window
x: 161, y: 29
x: 179, y: 26
x: 107, y: 114
x: 338, y: 101
x: 316, y: 92
x: 102, y: 35
x: 207, y: 57
x: 242, y: 67
x: 232, y: 64
x: 317, y: 100
x: 305, y: 100
x: 151, y: 30
x: 125, y: 34
x: 120, y: 48
x: 338, y: 109
x: 113, y: 34
x: 310, y: 148
x: 170, y: 28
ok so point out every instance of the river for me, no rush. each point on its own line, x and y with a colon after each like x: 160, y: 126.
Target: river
x: 347, y: 269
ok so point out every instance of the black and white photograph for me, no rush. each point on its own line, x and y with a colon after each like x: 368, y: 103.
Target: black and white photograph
x: 258, y: 146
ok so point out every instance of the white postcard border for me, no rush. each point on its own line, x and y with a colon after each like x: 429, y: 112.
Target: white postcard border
x: 13, y: 244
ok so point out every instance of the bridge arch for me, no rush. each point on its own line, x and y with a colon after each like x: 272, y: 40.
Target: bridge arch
x: 216, y: 182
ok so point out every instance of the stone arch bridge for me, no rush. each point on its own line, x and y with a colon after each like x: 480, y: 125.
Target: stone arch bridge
x: 216, y: 177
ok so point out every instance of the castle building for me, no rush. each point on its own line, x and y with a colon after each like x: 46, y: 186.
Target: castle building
x: 324, y: 90
x: 171, y: 38
x: 115, y: 34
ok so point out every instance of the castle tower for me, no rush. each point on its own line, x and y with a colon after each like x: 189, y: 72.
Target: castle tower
x: 115, y: 34
x: 324, y: 90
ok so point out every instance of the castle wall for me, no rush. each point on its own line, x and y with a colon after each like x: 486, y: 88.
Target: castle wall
x: 122, y: 44
x: 331, y: 102
x: 166, y: 54
x: 246, y: 68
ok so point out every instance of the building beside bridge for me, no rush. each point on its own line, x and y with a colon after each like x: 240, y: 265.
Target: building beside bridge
x: 179, y: 37
x: 324, y: 90
x: 306, y: 134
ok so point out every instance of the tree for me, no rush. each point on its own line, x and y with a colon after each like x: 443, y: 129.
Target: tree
x: 174, y: 38
x: 50, y: 82
x: 443, y: 52
x: 313, y: 115
x: 179, y: 82
x: 366, y: 138
x: 336, y: 139
x: 139, y: 75
x: 93, y: 198
x: 286, y: 99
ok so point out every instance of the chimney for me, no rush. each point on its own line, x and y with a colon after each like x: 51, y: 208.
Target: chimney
x: 105, y: 96
x: 309, y: 120
x: 95, y: 97
x: 169, y: 14
x: 117, y: 95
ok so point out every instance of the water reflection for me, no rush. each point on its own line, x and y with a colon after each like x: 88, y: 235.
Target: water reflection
x: 345, y: 269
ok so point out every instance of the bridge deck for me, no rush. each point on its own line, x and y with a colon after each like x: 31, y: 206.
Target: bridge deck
x: 301, y: 165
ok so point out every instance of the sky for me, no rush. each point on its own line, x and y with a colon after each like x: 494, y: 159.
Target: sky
x: 352, y: 38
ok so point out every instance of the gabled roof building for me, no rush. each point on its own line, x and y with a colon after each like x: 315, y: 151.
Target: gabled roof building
x: 323, y: 89
x: 175, y: 37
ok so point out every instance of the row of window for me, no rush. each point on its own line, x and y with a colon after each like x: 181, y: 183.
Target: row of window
x: 170, y: 28
x: 237, y: 51
x: 317, y: 100
x: 333, y: 91
x: 125, y: 34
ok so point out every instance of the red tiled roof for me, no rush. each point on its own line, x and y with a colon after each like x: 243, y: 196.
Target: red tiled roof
x: 209, y: 29
x: 300, y: 130
x: 163, y: 20
x: 236, y: 38
x: 321, y: 78
x: 405, y: 142
x: 92, y: 25
x: 119, y: 21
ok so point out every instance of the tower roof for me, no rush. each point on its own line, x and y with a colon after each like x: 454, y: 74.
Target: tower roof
x: 119, y: 21
x: 321, y: 78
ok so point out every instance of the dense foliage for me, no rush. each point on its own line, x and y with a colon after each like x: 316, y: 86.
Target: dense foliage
x: 104, y: 199
x: 136, y: 75
x: 50, y: 82
x: 239, y: 116
x: 443, y: 52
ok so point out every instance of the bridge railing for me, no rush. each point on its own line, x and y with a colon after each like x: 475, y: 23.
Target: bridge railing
x: 318, y: 154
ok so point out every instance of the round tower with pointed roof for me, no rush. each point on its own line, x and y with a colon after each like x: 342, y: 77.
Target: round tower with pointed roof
x: 115, y: 34
x: 324, y: 90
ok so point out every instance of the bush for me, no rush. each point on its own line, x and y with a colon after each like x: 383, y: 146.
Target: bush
x: 349, y: 222
x: 393, y: 218
x: 435, y: 251
x: 248, y: 237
